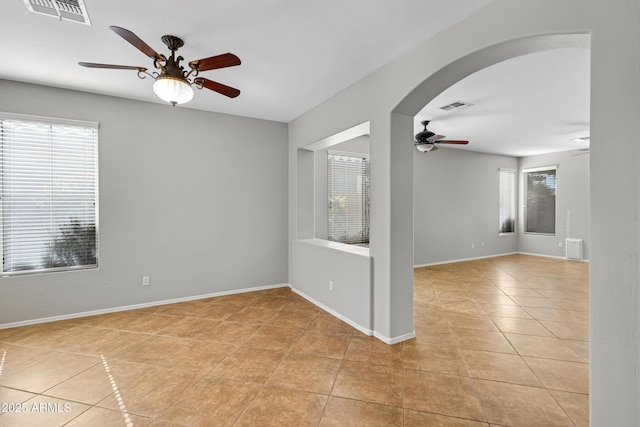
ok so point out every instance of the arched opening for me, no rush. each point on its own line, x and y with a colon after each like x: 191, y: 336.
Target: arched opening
x: 476, y: 355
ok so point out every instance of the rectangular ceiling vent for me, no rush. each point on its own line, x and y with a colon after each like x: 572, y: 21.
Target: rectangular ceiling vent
x: 69, y: 10
x: 457, y: 105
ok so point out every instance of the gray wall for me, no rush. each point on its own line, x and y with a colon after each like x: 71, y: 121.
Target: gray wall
x: 185, y: 198
x: 391, y: 96
x: 456, y: 206
x: 572, y: 204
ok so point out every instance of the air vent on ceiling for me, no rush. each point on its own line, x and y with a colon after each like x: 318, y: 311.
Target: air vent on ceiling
x: 456, y: 105
x: 69, y: 10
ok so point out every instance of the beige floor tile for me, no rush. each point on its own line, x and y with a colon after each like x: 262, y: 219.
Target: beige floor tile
x: 374, y: 351
x: 561, y: 375
x: 189, y: 327
x: 341, y: 412
x: 482, y: 340
x: 521, y: 326
x: 371, y: 383
x: 107, y: 417
x: 281, y: 407
x: 441, y: 394
x: 553, y: 315
x: 232, y: 333
x: 269, y: 302
x: 257, y: 315
x: 212, y: 401
x: 570, y: 331
x: 327, y: 324
x: 306, y: 372
x: 517, y: 405
x: 11, y: 395
x: 575, y: 405
x: 334, y: 346
x: 151, y: 393
x: 543, y: 347
x: 98, y: 341
x: 507, y: 368
x: 506, y: 311
x: 272, y: 358
x: 274, y: 338
x: 520, y: 292
x: 434, y: 358
x: 249, y: 364
x: 151, y: 351
x: 293, y: 319
x: 187, y: 308
x: 581, y: 348
x: 19, y: 358
x: 90, y: 386
x: 216, y: 311
x: 538, y: 302
x: 421, y: 419
x: 469, y: 321
x: 47, y: 373
x: 198, y: 356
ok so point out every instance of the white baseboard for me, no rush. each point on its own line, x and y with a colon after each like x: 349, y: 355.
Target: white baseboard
x: 553, y: 256
x: 395, y: 340
x: 364, y: 330
x: 495, y: 256
x: 464, y: 259
x: 334, y: 313
x: 136, y: 306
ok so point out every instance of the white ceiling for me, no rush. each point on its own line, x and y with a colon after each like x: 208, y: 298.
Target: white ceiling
x: 298, y: 53
x: 528, y: 105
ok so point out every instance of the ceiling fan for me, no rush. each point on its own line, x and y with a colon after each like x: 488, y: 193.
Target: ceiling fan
x: 427, y: 140
x: 172, y: 83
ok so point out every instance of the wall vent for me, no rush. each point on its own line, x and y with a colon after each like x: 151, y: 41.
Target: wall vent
x: 69, y: 10
x: 456, y: 105
x: 573, y: 248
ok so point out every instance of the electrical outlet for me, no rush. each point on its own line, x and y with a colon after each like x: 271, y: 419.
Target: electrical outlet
x: 559, y: 244
x: 482, y: 244
x: 473, y: 246
x: 331, y: 285
x: 145, y: 281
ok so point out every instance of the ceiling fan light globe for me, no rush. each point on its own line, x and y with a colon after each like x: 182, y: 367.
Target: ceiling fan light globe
x: 426, y: 147
x: 173, y: 90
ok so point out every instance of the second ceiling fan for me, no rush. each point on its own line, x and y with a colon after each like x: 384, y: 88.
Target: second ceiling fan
x: 426, y: 140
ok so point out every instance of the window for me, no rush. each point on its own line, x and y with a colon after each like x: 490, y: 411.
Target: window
x: 540, y: 200
x: 49, y: 194
x: 507, y: 200
x: 348, y: 191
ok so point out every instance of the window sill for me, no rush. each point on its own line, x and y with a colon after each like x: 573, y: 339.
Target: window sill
x: 337, y: 246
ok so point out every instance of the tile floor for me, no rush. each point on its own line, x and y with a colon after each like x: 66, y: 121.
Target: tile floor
x: 500, y: 342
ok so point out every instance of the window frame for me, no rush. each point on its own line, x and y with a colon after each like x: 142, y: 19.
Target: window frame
x: 366, y: 198
x: 525, y: 171
x: 89, y: 125
x: 513, y: 201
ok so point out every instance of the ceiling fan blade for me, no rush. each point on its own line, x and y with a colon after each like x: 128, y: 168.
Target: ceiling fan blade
x: 435, y: 138
x: 215, y: 62
x: 217, y: 87
x: 111, y: 66
x: 452, y: 141
x: 137, y: 42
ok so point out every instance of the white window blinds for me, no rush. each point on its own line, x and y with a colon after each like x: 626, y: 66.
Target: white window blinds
x: 348, y: 191
x: 540, y: 200
x: 507, y: 198
x: 48, y: 190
